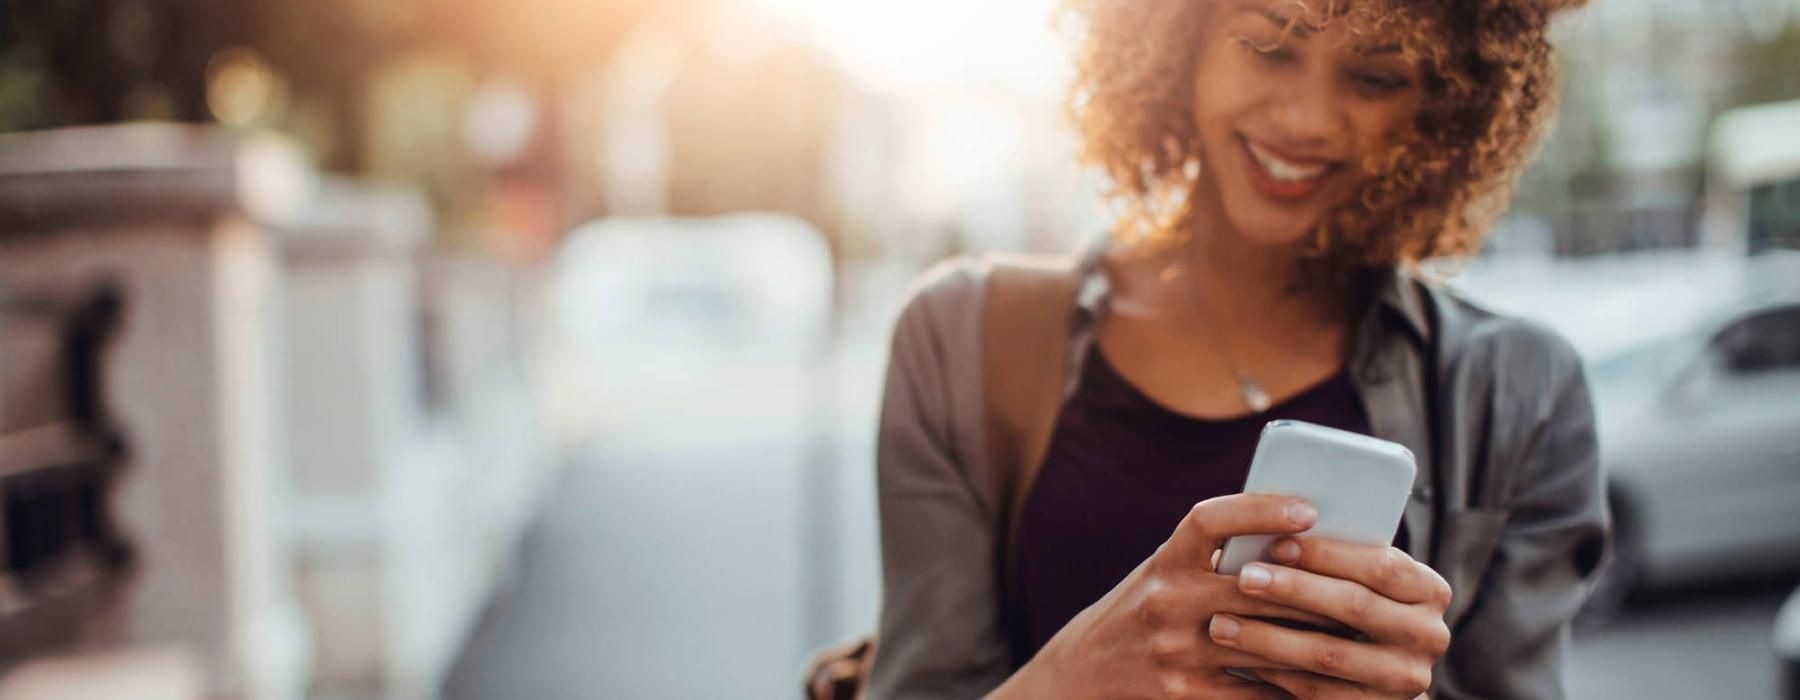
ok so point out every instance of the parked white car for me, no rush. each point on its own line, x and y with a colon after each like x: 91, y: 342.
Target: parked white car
x: 1700, y: 435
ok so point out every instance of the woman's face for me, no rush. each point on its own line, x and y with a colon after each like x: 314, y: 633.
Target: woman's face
x: 1285, y: 117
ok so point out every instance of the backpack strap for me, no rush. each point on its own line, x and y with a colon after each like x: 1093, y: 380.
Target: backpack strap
x: 1030, y: 307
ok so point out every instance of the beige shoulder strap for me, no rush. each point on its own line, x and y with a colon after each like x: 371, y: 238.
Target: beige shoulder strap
x: 1026, y: 324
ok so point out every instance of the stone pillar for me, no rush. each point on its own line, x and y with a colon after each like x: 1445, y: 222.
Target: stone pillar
x: 177, y: 217
x: 353, y: 364
x: 416, y: 458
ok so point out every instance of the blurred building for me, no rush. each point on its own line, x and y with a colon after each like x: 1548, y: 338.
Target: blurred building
x: 1642, y: 84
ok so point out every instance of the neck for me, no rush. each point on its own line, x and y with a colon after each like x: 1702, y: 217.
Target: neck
x: 1252, y: 286
x: 1233, y: 273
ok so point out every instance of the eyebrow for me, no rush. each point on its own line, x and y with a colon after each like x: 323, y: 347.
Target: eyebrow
x: 1285, y: 22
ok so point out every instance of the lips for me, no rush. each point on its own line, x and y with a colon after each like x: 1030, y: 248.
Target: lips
x: 1283, y: 178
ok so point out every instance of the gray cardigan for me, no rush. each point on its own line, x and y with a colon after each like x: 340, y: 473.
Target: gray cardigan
x: 1508, y: 505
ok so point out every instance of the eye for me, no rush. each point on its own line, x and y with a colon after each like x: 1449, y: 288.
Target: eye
x: 1280, y: 55
x: 1380, y: 82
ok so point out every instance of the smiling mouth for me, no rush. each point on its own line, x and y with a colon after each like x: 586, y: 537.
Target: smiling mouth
x: 1285, y: 179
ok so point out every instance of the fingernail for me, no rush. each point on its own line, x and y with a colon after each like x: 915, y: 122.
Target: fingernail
x: 1302, y: 513
x: 1223, y: 627
x: 1286, y: 551
x: 1255, y: 577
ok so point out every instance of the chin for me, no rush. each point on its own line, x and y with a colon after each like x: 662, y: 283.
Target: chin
x: 1273, y: 228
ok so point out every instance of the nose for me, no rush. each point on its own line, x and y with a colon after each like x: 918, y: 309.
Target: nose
x: 1308, y: 114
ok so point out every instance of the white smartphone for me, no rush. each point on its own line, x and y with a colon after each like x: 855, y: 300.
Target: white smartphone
x: 1359, y: 484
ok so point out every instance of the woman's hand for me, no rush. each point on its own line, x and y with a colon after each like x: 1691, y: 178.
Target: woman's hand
x: 1395, y: 602
x: 1147, y: 638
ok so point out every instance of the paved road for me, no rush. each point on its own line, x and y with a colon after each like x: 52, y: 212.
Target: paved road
x: 668, y: 565
x: 1703, y: 644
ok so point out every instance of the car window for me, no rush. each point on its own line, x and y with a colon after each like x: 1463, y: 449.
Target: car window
x: 1764, y: 342
x: 1775, y: 217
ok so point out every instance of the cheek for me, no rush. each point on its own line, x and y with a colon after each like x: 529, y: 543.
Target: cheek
x: 1381, y: 127
x: 1223, y: 92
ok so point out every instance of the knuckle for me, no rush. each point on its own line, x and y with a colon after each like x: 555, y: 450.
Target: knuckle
x: 1415, y: 680
x: 1200, y: 518
x: 1178, y: 685
x: 1437, y: 639
x: 1441, y: 592
x: 1157, y: 607
x: 1328, y: 660
x: 1362, y: 603
x: 1170, y: 648
x: 1390, y: 568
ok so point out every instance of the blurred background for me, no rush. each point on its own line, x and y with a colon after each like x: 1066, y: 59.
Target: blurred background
x: 464, y: 349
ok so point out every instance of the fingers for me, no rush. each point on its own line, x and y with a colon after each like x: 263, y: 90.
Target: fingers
x: 1301, y: 684
x: 1212, y: 521
x: 1418, y: 628
x: 1222, y: 657
x: 1239, y: 689
x: 1251, y: 606
x: 1185, y: 604
x: 1385, y: 570
x: 1382, y: 668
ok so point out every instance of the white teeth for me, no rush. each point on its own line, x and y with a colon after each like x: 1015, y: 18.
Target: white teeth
x: 1283, y: 170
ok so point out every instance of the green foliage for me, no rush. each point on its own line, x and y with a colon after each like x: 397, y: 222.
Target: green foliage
x: 21, y: 77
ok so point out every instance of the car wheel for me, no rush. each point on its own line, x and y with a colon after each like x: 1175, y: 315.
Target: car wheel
x: 1620, y: 571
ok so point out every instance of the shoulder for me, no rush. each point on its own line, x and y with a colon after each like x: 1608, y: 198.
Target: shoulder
x: 941, y: 303
x: 1521, y: 400
x: 951, y: 283
x: 952, y: 295
x: 1470, y: 327
x: 1514, y: 357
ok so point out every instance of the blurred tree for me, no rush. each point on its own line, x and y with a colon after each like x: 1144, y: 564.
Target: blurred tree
x: 65, y: 62
x: 21, y: 73
x: 88, y: 61
x: 386, y: 88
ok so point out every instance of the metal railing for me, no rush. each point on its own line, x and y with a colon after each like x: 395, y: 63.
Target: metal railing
x: 62, y: 556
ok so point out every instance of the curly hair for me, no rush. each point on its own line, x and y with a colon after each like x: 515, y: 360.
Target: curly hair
x: 1488, y: 89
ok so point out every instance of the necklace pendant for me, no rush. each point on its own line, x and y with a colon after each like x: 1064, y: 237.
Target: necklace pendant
x: 1255, y: 397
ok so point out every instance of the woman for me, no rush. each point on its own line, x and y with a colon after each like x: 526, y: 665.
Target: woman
x: 1284, y: 163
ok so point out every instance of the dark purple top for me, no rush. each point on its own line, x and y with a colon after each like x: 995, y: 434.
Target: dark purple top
x: 1120, y: 473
